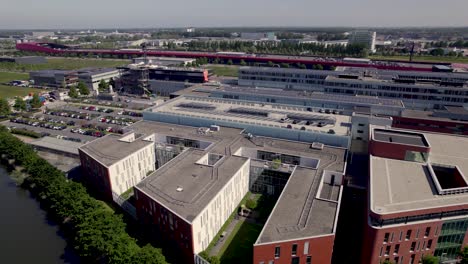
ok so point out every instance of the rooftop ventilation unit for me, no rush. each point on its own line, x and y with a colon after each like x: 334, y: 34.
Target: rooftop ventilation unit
x: 180, y: 189
x: 316, y: 145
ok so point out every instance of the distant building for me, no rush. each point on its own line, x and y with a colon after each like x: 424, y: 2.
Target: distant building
x: 190, y: 30
x: 258, y: 35
x: 364, y: 37
x: 57, y: 78
x: 42, y: 34
x: 164, y: 61
x: 25, y: 59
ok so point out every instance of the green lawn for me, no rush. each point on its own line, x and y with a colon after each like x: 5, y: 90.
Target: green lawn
x: 238, y: 247
x: 12, y: 91
x: 423, y: 58
x: 63, y: 64
x: 228, y: 71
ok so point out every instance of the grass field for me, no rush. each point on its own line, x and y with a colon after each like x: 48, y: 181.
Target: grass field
x: 12, y: 91
x: 238, y: 246
x: 227, y: 71
x: 423, y: 58
x: 62, y: 64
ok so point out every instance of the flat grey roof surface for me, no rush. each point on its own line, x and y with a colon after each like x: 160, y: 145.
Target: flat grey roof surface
x: 400, y: 137
x: 108, y: 149
x: 364, y: 100
x: 57, y: 144
x: 406, y: 186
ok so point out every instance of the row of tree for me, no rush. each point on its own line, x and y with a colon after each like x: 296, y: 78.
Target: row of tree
x: 97, y: 233
x: 445, y: 44
x: 20, y: 104
x: 284, y: 47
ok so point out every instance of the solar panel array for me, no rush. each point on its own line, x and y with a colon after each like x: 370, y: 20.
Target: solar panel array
x: 197, y: 106
x: 249, y: 111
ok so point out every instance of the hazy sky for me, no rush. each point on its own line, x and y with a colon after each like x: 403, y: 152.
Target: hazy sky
x: 60, y: 14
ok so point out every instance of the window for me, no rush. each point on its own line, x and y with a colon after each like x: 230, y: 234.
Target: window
x: 294, y: 250
x: 306, y: 248
x: 408, y: 234
x: 413, y: 246
x: 417, y: 233
x: 309, y: 260
x: 397, y: 248
x: 401, y: 235
x: 271, y: 262
x: 412, y: 259
x: 361, y: 125
x: 387, y: 250
x: 295, y: 260
x: 387, y: 235
x: 381, y: 249
x: 419, y: 243
x: 277, y: 252
x: 391, y: 238
x: 428, y: 231
x: 360, y: 131
x: 423, y: 246
x: 436, y: 231
x: 396, y: 260
x: 429, y: 244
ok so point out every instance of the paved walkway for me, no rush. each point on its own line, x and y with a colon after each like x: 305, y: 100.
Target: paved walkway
x: 217, y: 247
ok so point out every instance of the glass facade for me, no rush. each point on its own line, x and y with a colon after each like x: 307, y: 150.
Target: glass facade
x: 451, y: 238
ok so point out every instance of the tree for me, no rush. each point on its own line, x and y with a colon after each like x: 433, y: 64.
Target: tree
x: 73, y: 93
x: 429, y: 259
x: 387, y: 262
x: 103, y: 85
x: 4, y: 107
x: 284, y: 65
x: 229, y: 62
x: 20, y: 104
x: 251, y: 204
x: 270, y: 64
x: 84, y: 90
x: 35, y: 101
x: 464, y: 255
x: 437, y: 52
x: 243, y: 63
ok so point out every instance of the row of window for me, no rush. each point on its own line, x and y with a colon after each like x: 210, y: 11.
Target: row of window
x: 415, y: 246
x: 389, y: 237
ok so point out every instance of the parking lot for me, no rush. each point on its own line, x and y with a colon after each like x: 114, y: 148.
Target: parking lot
x: 76, y: 122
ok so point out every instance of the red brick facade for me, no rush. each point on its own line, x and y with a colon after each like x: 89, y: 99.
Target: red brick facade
x: 400, y: 244
x: 319, y: 250
x: 166, y: 226
x: 96, y: 174
x: 393, y: 150
x: 447, y: 127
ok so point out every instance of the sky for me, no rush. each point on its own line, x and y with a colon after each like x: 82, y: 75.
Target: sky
x: 92, y: 14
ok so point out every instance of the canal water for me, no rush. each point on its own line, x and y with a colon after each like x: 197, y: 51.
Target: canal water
x: 26, y: 235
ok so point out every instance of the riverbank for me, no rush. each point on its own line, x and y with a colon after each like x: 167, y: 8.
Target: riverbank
x: 97, y: 234
x: 27, y: 227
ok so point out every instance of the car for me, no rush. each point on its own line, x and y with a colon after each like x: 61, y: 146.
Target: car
x: 74, y: 130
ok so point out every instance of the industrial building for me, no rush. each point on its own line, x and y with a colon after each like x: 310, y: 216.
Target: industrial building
x: 363, y: 37
x: 418, y: 196
x: 164, y: 61
x: 188, y: 181
x: 417, y: 90
x: 166, y: 88
x: 258, y: 35
x: 54, y: 78
x: 58, y: 78
x: 135, y: 78
x: 450, y: 120
x: 297, y: 123
x: 345, y: 103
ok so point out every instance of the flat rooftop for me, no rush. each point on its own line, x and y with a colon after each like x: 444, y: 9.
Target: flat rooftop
x: 361, y: 100
x: 399, y: 186
x: 262, y: 114
x: 186, y: 187
x: 57, y: 144
x: 400, y: 137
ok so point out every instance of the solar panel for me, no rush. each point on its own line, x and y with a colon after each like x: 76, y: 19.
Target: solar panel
x: 197, y: 106
x: 248, y: 111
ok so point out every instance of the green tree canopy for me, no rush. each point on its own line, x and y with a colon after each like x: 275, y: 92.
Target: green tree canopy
x: 20, y: 104
x: 229, y: 62
x: 73, y: 93
x: 84, y: 90
x: 35, y: 101
x: 4, y: 107
x: 464, y: 255
x: 103, y: 85
x: 243, y: 63
x: 429, y: 259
